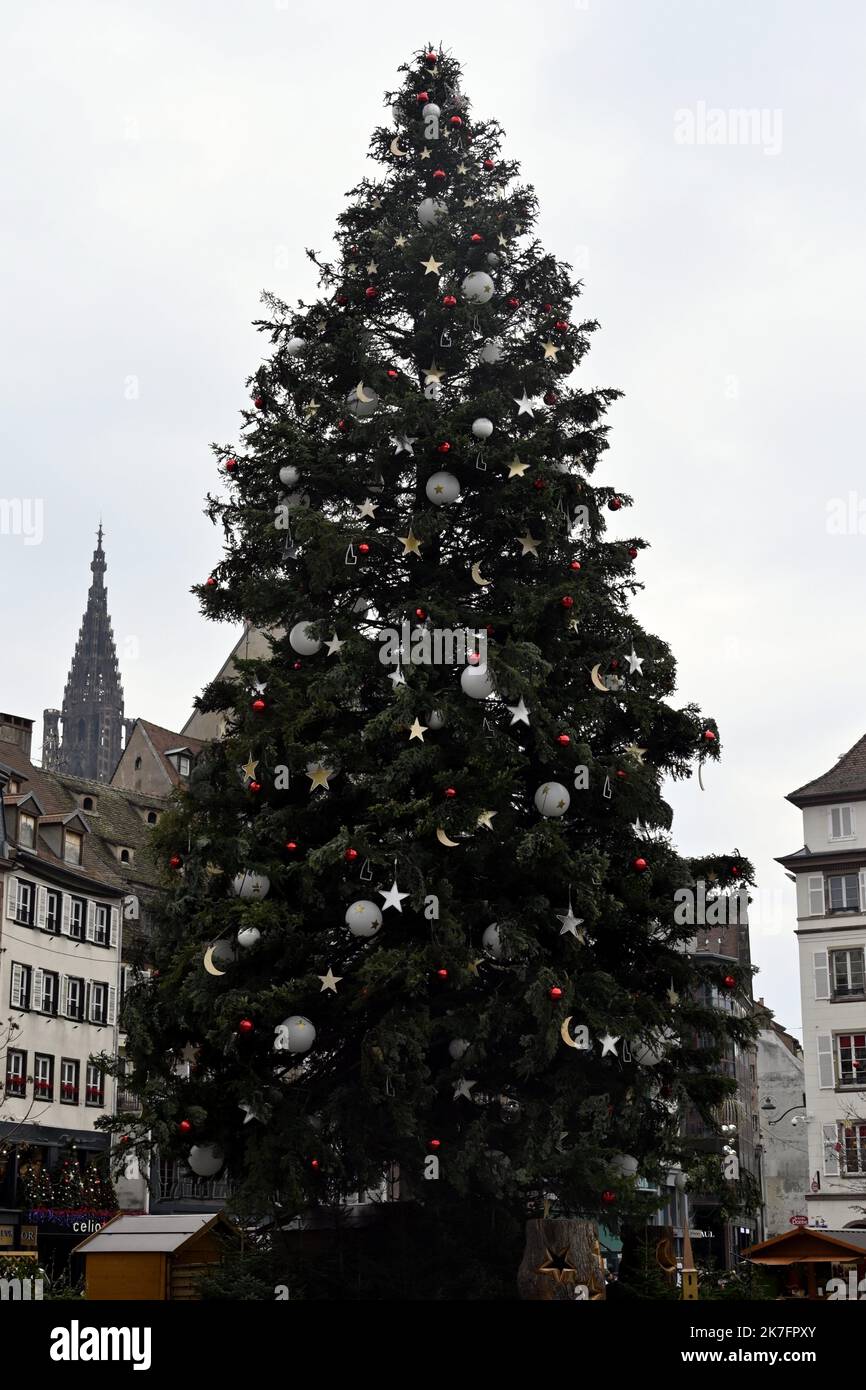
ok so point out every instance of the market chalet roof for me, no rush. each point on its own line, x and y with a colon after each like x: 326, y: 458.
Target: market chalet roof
x: 116, y: 820
x: 846, y: 778
x: 150, y: 1234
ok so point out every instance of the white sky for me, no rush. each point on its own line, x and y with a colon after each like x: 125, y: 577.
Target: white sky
x: 164, y: 160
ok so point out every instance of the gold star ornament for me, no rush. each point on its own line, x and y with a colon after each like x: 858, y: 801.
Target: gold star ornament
x: 529, y: 543
x: 411, y: 544
x: 431, y: 266
x: 319, y: 775
x: 516, y: 469
x: 486, y: 819
x: 417, y: 730
x: 550, y: 350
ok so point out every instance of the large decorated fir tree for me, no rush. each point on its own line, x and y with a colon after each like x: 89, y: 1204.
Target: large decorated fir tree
x: 422, y: 916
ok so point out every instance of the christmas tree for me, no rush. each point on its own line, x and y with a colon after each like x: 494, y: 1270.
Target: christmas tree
x: 37, y: 1189
x: 68, y: 1185
x: 422, y: 913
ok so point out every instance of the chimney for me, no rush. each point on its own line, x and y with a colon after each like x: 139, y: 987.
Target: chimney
x: 14, y: 729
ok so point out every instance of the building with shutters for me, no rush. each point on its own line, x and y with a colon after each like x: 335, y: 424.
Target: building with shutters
x: 829, y: 873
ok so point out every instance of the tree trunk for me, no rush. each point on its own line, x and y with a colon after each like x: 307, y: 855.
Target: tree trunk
x: 560, y: 1258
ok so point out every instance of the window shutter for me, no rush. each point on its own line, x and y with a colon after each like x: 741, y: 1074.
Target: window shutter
x: 114, y: 929
x: 826, y: 1068
x: 66, y: 916
x: 816, y: 895
x: 833, y: 823
x: 111, y: 1014
x: 64, y: 995
x: 36, y: 989
x: 17, y: 986
x: 848, y: 821
x: 41, y: 907
x: 821, y: 972
x: 87, y: 993
x: 11, y: 897
x: 831, y: 1157
x: 863, y: 890
x: 90, y: 928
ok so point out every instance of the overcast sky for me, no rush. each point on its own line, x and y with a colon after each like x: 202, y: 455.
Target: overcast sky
x: 165, y: 160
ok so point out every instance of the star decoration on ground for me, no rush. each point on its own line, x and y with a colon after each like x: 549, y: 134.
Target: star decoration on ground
x: 312, y: 407
x: 249, y: 767
x: 524, y: 405
x: 417, y: 730
x: 558, y: 1265
x: 632, y: 751
x: 608, y: 1046
x: 486, y: 818
x: 368, y: 508
x: 516, y: 469
x: 570, y: 924
x: 529, y: 543
x: 550, y: 350
x: 403, y: 444
x: 329, y: 981
x: 319, y: 775
x: 464, y: 1089
x: 433, y: 373
x: 397, y: 677
x: 635, y: 662
x: 431, y: 266
x: 519, y: 712
x: 392, y: 897
x: 400, y: 241
x: 411, y: 544
x: 335, y: 646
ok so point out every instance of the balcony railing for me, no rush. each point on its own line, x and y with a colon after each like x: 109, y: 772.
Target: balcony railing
x: 174, y: 1186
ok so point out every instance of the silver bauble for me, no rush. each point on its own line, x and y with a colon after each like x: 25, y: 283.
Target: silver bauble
x: 295, y: 1034
x: 431, y: 212
x: 295, y: 346
x: 493, y: 259
x: 478, y: 287
x: 491, y: 352
x: 205, y: 1160
x: 289, y: 475
x: 492, y: 941
x: 363, y: 918
x: 625, y: 1164
x: 442, y: 489
x: 435, y: 720
x: 477, y: 682
x: 431, y: 111
x: 457, y: 1048
x: 248, y: 937
x: 482, y: 428
x: 223, y: 953
x: 250, y: 885
x: 552, y: 799
x: 303, y: 641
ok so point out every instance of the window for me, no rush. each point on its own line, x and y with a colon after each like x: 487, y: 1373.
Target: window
x: 74, y: 1002
x: 25, y: 906
x: 77, y: 914
x: 152, y: 817
x: 53, y: 911
x: 50, y: 982
x: 842, y: 823
x: 852, y: 1137
x: 87, y: 803
x: 124, y: 856
x: 95, y: 1094
x: 138, y: 764
x: 16, y: 1072
x: 72, y: 847
x: 847, y: 973
x: 68, y: 1081
x: 27, y: 830
x: 183, y: 764
x: 851, y: 1058
x: 19, y: 996
x: 100, y: 925
x: 844, y: 893
x: 98, y: 1001
x: 43, y: 1076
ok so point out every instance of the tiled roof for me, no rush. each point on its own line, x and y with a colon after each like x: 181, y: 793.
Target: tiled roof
x: 847, y: 778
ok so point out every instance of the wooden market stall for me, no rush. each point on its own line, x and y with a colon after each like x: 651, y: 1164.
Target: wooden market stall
x: 153, y: 1257
x: 807, y: 1257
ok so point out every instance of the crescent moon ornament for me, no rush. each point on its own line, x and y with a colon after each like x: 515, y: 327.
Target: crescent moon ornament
x: 444, y: 840
x: 565, y: 1031
x: 395, y: 148
x: 361, y: 393
x: 596, y: 680
x: 477, y: 575
x: 209, y: 965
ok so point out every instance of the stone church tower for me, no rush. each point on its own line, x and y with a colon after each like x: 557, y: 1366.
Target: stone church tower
x: 92, y: 715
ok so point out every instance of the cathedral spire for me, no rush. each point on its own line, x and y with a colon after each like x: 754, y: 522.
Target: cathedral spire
x: 92, y: 713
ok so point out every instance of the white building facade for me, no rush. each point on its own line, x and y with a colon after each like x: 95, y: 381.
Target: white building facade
x: 830, y: 877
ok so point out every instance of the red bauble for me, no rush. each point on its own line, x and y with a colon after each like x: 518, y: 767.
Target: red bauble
x: 342, y: 425
x: 574, y: 565
x: 435, y: 1144
x: 291, y: 846
x: 450, y: 791
x: 258, y: 705
x: 442, y: 973
x: 255, y: 787
x: 709, y: 736
x: 297, y: 666
x: 421, y: 614
x: 513, y: 302
x: 439, y: 175
x: 488, y: 165
x: 729, y: 982
x: 175, y: 861
x: 555, y: 992
x: 614, y: 665
x: 314, y: 1163
x: 567, y: 601
x: 363, y: 548
x: 449, y: 300
x: 258, y: 402
x: 342, y: 300
x: 632, y: 550
x: 735, y: 870
x: 548, y: 308
x: 539, y: 484
x: 563, y: 739
x: 246, y: 1025
x: 608, y: 1197
x: 550, y: 398
x: 371, y: 292
x: 431, y: 58
x: 640, y: 866
x: 614, y: 504
x: 184, y: 1126
x: 210, y: 582
x: 444, y: 447
x: 561, y: 325
x: 422, y: 96
x: 456, y: 121
x: 393, y: 373
x: 476, y: 238
x: 351, y: 855
x: 473, y: 658
x: 231, y: 465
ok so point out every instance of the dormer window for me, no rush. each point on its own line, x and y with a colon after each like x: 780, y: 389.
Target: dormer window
x: 152, y: 817
x: 26, y: 830
x: 183, y: 764
x: 87, y: 803
x: 137, y: 764
x: 841, y: 823
x: 72, y: 847
x: 125, y: 856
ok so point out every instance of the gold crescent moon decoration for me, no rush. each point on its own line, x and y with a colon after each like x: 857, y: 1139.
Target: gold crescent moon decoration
x: 477, y: 575
x: 596, y: 680
x: 360, y: 393
x: 444, y: 840
x: 395, y: 148
x: 565, y: 1031
x: 665, y: 1257
x: 208, y: 963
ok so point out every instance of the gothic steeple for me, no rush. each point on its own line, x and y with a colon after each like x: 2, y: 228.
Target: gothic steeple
x: 92, y: 713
